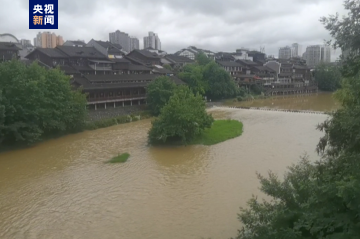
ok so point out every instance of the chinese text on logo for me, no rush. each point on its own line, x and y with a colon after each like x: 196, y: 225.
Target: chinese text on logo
x: 43, y: 14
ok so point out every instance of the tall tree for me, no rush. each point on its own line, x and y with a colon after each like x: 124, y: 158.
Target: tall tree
x: 220, y: 83
x: 158, y: 93
x: 182, y: 119
x: 346, y: 32
x: 328, y: 77
x: 2, y: 118
x: 192, y: 75
x: 202, y: 59
x: 38, y: 102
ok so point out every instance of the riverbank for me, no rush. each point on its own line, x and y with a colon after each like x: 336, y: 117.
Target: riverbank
x: 123, y: 119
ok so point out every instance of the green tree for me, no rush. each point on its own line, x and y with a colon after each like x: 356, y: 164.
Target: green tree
x: 202, y: 59
x: 158, y: 93
x: 182, y: 119
x: 192, y: 75
x: 345, y: 31
x: 220, y: 83
x: 328, y: 77
x: 2, y: 118
x: 38, y: 102
x: 166, y: 66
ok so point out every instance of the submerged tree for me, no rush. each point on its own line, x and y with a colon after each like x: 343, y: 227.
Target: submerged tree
x: 182, y: 119
x: 159, y: 92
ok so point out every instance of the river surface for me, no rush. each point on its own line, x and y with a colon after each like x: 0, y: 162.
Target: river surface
x: 314, y: 102
x: 62, y: 188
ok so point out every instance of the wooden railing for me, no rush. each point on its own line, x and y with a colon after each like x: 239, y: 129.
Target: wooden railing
x: 110, y: 98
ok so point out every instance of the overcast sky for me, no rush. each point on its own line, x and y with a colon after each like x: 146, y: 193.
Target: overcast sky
x: 218, y: 25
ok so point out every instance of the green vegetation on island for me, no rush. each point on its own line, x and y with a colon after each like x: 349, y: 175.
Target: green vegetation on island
x: 181, y: 110
x: 319, y: 200
x: 120, y: 158
x: 220, y: 131
x: 182, y: 118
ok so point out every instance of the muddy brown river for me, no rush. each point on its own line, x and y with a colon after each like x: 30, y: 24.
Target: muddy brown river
x: 62, y: 188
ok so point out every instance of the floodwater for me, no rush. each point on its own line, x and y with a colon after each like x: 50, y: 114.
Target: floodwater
x: 62, y: 189
x: 313, y: 102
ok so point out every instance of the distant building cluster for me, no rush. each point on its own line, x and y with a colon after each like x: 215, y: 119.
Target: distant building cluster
x: 116, y: 72
x: 130, y: 43
x: 48, y: 40
x: 152, y: 41
x: 313, y: 54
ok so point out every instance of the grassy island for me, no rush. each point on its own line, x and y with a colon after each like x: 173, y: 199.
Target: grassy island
x: 220, y: 131
x: 121, y: 158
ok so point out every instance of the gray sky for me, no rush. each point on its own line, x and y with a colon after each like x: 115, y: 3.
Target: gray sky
x: 218, y: 25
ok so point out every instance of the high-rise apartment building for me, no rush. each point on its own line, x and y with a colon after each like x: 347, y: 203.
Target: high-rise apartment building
x: 48, y: 40
x: 286, y: 52
x: 121, y: 38
x: 25, y: 42
x: 297, y: 50
x: 152, y: 41
x: 134, y: 43
x: 317, y: 54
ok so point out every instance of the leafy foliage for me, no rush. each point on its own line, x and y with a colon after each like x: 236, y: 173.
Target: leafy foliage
x: 210, y: 80
x: 328, y: 77
x: 319, y: 200
x: 192, y: 75
x: 221, y: 85
x: 168, y: 67
x: 37, y: 102
x: 202, y: 59
x: 256, y: 89
x: 313, y: 201
x: 182, y: 119
x: 342, y: 131
x: 346, y: 32
x: 159, y: 92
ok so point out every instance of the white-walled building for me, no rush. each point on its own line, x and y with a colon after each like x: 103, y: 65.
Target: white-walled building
x: 317, y: 54
x: 152, y: 41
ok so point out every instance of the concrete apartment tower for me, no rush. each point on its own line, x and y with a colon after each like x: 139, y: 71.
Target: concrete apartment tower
x: 286, y: 52
x: 134, y: 43
x: 297, y: 50
x: 317, y: 54
x: 121, y: 38
x: 48, y: 40
x: 152, y: 41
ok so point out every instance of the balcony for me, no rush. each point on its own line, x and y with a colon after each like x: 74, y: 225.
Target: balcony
x: 109, y: 99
